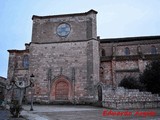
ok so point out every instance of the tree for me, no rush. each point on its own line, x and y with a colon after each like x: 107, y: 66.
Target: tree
x: 130, y: 83
x: 151, y: 77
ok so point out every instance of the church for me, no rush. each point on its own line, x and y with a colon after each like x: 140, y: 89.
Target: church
x: 71, y: 64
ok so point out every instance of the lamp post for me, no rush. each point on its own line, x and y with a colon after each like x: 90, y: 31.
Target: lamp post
x: 32, y: 85
x: 15, y: 108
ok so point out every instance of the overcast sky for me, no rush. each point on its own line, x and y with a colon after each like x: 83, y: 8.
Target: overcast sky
x: 115, y: 18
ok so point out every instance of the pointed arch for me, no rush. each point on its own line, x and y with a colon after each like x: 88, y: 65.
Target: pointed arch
x: 61, y: 89
x: 126, y: 51
x: 153, y: 50
x: 25, y: 61
x: 103, y: 53
x: 99, y: 88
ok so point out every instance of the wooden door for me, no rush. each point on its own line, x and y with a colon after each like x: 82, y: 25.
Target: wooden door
x: 62, y: 90
x: 99, y: 93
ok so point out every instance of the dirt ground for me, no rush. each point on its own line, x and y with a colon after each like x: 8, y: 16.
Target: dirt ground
x: 71, y: 112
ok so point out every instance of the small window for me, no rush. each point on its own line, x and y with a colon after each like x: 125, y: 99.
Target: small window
x: 127, y: 51
x: 103, y: 52
x: 139, y: 50
x: 26, y: 61
x: 153, y: 50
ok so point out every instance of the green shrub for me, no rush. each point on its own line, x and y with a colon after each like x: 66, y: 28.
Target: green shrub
x: 15, y: 108
x: 130, y: 83
x: 151, y: 77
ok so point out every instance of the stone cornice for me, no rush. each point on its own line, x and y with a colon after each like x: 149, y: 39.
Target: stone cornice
x: 64, y: 41
x: 64, y: 15
x: 18, y: 51
x: 130, y: 57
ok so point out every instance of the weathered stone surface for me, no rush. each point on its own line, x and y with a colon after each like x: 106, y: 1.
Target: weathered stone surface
x: 83, y: 27
x: 121, y: 98
x: 79, y: 67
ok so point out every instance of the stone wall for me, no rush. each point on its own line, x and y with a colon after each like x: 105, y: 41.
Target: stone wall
x: 3, y: 82
x: 83, y: 27
x: 121, y: 98
x: 106, y: 73
x: 70, y: 62
x: 18, y: 65
x: 136, y: 47
x: 70, y: 67
x: 116, y: 64
x: 73, y: 61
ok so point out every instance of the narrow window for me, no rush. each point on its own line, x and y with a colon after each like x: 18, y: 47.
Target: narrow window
x: 103, y: 52
x: 153, y: 50
x: 26, y: 61
x: 139, y: 50
x: 127, y: 51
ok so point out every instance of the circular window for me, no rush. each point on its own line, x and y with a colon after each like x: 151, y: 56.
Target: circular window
x: 63, y: 29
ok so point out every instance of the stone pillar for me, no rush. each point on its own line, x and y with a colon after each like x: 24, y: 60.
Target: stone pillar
x: 11, y: 65
x: 113, y: 66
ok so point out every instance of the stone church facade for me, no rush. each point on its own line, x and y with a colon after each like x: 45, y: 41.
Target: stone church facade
x: 71, y: 64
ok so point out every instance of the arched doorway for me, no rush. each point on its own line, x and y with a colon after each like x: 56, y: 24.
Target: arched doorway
x: 99, y: 93
x: 61, y: 91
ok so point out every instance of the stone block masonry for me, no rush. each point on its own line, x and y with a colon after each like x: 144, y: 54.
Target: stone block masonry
x: 71, y: 64
x: 121, y: 98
